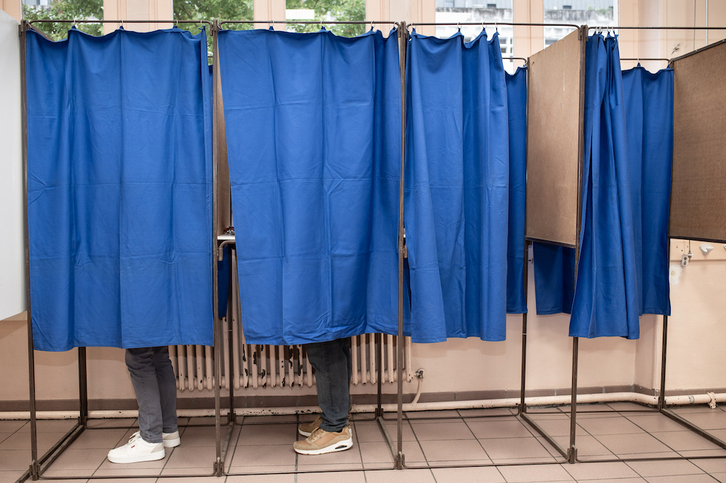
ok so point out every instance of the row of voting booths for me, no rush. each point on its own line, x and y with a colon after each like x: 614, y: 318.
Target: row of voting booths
x: 261, y: 161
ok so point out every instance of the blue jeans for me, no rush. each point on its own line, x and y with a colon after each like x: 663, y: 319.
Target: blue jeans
x: 333, y: 368
x: 155, y: 386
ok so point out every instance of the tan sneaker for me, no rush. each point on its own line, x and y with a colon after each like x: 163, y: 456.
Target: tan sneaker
x: 306, y: 429
x: 322, y: 442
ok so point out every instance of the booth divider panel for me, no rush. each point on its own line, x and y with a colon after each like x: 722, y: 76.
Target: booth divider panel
x: 698, y: 198
x: 554, y: 132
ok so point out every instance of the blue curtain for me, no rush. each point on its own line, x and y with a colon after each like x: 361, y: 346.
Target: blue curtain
x: 606, y: 290
x: 649, y: 121
x: 516, y: 257
x: 119, y: 190
x: 313, y: 137
x: 457, y: 188
x: 623, y: 270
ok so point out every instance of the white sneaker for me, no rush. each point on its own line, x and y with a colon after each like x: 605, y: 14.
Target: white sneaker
x: 171, y: 440
x: 137, y: 450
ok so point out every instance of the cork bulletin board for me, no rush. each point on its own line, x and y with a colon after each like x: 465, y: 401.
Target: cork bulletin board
x: 698, y: 198
x: 555, y: 124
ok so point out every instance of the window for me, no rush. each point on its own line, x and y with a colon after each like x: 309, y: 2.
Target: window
x: 326, y: 10
x: 465, y: 11
x: 579, y: 12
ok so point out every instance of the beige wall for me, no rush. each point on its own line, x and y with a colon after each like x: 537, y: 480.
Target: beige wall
x: 12, y: 7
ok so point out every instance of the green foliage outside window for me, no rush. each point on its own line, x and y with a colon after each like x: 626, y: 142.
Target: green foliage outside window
x: 66, y: 10
x: 325, y: 10
x: 331, y: 10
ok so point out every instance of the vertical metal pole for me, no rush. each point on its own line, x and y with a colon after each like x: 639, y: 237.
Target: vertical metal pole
x: 582, y: 36
x: 523, y: 378
x: 218, y: 464
x: 379, y: 360
x: 402, y: 31
x: 34, y: 466
x: 82, y: 387
x: 661, y: 396
x: 232, y: 418
x: 572, y: 452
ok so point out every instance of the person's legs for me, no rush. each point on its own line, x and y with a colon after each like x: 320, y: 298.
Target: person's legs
x: 146, y: 444
x: 146, y: 386
x: 167, y: 388
x: 332, y: 363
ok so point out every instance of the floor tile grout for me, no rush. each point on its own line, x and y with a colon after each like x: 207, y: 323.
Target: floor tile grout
x: 622, y: 415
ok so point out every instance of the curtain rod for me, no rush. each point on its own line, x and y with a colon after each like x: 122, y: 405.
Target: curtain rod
x: 615, y: 27
x: 513, y: 24
x: 309, y: 22
x: 645, y: 58
x: 120, y: 21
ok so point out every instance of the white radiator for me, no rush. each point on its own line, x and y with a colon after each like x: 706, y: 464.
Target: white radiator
x: 259, y: 366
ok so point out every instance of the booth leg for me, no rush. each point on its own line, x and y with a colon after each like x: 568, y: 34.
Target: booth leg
x: 661, y: 395
x: 83, y: 387
x: 379, y: 364
x: 522, y: 408
x: 572, y: 451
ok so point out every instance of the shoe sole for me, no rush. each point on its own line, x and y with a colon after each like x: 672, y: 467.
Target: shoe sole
x: 339, y: 446
x: 303, y: 433
x: 171, y: 443
x: 159, y: 455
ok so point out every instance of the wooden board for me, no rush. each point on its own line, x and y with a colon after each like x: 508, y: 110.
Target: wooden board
x: 698, y: 199
x: 555, y: 103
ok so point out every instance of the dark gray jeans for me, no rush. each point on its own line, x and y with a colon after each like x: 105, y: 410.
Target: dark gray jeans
x: 333, y: 368
x: 155, y: 386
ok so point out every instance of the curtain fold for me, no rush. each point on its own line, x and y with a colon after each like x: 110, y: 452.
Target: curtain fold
x: 119, y: 190
x: 313, y: 139
x: 516, y: 256
x: 457, y: 188
x: 623, y: 268
x: 606, y: 289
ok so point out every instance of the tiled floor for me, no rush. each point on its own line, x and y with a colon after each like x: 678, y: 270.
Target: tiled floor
x: 451, y: 441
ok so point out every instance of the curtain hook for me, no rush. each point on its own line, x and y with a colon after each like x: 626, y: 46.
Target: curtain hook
x: 458, y: 26
x: 371, y: 25
x: 496, y: 27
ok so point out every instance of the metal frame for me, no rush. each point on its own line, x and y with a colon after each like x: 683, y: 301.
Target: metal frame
x: 396, y: 452
x: 571, y: 453
x: 400, y: 460
x: 39, y: 465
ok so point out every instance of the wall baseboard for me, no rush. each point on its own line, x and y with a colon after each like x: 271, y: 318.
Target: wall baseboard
x: 245, y: 402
